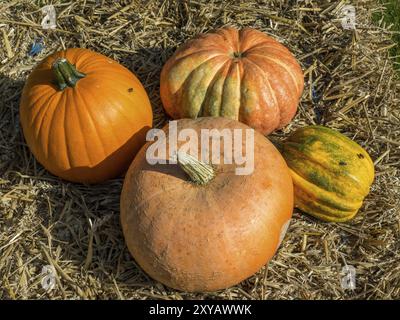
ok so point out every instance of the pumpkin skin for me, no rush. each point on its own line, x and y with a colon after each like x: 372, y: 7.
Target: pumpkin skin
x: 331, y: 173
x: 206, y: 237
x: 89, y: 132
x: 243, y: 75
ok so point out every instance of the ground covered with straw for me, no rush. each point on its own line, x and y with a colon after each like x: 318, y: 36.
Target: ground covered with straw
x: 350, y: 86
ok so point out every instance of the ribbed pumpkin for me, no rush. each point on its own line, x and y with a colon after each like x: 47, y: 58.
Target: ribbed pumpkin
x: 197, y: 227
x: 84, y: 116
x: 331, y: 173
x: 243, y: 75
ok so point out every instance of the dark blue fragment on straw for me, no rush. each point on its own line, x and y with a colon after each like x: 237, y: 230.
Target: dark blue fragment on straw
x: 37, y: 47
x: 315, y: 95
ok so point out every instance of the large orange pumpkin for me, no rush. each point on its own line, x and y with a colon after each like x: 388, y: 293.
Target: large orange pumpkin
x: 243, y: 75
x: 84, y: 116
x: 196, y: 227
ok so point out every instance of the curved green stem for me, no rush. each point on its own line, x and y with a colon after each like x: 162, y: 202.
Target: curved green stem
x: 199, y: 172
x: 237, y: 54
x: 66, y: 73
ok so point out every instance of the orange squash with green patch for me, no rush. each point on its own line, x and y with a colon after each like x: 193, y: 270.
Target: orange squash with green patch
x: 331, y: 173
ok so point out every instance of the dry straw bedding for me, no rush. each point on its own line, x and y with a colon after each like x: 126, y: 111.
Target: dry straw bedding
x: 350, y: 86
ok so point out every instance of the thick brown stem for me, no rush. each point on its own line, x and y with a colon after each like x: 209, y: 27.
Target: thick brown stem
x: 199, y: 172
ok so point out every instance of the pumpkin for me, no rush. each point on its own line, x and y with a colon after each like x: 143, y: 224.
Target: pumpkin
x: 197, y: 226
x: 243, y: 75
x: 84, y: 116
x: 331, y: 173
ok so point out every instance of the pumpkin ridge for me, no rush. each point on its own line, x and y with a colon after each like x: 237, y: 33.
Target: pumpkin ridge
x: 40, y: 114
x: 66, y: 148
x: 321, y: 213
x: 104, y: 73
x: 328, y: 197
x: 348, y: 150
x: 306, y: 203
x: 267, y: 81
x: 289, y: 147
x: 198, y: 84
x: 229, y: 62
x: 240, y: 39
x: 79, y: 125
x: 207, y: 40
x: 241, y: 95
x: 40, y: 124
x: 354, y: 145
x: 309, y: 154
x: 210, y: 87
x: 104, y: 68
x: 216, y: 50
x: 111, y: 128
x: 325, y: 197
x: 303, y: 176
x: 273, y: 52
x: 279, y: 108
x: 224, y: 111
x: 91, y: 119
x: 82, y: 60
x: 200, y: 63
x: 69, y: 134
x: 326, y: 132
x: 51, y: 129
x: 93, y: 75
x: 32, y: 105
x: 268, y: 45
x: 206, y: 108
x: 282, y: 65
x: 236, y: 39
x: 171, y: 73
x: 279, y: 56
x: 228, y: 38
x: 259, y: 106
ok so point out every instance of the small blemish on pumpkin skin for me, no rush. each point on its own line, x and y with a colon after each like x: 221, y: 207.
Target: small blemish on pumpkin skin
x: 130, y: 90
x: 342, y: 163
x: 360, y: 156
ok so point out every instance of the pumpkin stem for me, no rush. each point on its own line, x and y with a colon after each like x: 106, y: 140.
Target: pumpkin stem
x: 66, y: 73
x: 199, y: 172
x: 237, y: 54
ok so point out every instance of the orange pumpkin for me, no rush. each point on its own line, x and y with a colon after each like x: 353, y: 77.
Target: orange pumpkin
x: 84, y: 116
x: 197, y: 227
x: 243, y: 75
